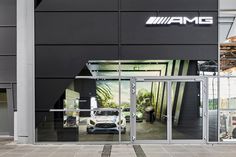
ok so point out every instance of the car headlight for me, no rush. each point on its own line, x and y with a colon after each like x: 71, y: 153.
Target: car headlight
x: 139, y: 115
x: 92, y: 122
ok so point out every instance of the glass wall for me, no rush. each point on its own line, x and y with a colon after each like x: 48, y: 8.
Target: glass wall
x: 228, y: 109
x: 87, y: 110
x: 125, y: 107
x: 227, y: 105
x: 187, y: 110
x: 151, y: 110
x: 228, y: 57
x: 95, y: 105
x: 213, y: 108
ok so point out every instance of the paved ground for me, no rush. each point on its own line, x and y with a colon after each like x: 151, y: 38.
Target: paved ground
x: 149, y: 150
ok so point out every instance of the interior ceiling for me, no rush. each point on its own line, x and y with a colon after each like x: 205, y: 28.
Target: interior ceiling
x: 138, y: 68
x: 128, y: 68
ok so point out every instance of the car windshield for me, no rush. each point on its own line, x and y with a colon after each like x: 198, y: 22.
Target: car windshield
x: 106, y: 113
x: 126, y: 109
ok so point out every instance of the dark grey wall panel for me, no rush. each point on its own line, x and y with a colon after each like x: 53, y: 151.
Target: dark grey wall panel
x: 48, y: 91
x: 68, y: 61
x: 7, y: 12
x: 134, y: 30
x: 7, y: 40
x: 7, y: 68
x: 76, y: 28
x: 183, y: 52
x: 78, y: 5
x: 168, y: 5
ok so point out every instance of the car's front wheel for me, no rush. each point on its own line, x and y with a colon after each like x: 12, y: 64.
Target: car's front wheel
x: 124, y: 131
x: 89, y: 131
x: 234, y: 133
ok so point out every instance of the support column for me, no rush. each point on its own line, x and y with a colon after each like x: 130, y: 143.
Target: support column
x: 25, y: 71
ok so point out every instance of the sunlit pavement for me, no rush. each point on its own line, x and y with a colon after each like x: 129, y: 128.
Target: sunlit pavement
x: 10, y: 149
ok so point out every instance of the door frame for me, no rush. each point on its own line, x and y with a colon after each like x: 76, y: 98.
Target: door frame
x: 169, y: 81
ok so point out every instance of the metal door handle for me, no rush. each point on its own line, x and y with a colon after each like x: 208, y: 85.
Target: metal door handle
x: 133, y: 138
x: 133, y: 115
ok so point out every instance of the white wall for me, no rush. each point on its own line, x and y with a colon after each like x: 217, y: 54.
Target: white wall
x: 227, y: 16
x: 225, y: 24
x: 227, y: 4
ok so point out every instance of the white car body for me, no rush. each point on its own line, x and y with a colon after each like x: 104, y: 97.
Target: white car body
x: 105, y: 121
x: 126, y: 113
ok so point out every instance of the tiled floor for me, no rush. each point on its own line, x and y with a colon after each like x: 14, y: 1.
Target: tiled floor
x: 124, y: 150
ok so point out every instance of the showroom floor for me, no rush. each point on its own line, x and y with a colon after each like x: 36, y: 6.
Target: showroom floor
x: 10, y: 149
x: 144, y: 131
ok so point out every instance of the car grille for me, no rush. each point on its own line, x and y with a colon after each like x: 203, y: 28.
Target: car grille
x: 105, y: 125
x: 127, y: 118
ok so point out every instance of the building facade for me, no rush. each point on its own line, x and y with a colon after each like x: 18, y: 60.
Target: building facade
x: 115, y: 72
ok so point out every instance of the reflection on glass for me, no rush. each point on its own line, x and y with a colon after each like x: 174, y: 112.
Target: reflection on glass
x: 228, y: 93
x: 228, y: 106
x: 213, y: 108
x: 151, y: 99
x: 101, y: 68
x: 148, y: 68
x: 187, y: 111
x: 107, y: 93
x: 208, y: 68
x: 228, y: 125
x: 95, y: 94
x: 100, y: 121
x: 228, y: 58
x: 107, y: 96
x: 71, y: 103
x: 125, y: 108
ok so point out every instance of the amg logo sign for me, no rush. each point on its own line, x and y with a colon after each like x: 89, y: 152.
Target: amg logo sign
x: 201, y: 20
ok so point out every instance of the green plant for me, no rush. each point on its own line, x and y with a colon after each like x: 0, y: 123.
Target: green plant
x: 213, y: 104
x: 143, y: 99
x: 104, y: 95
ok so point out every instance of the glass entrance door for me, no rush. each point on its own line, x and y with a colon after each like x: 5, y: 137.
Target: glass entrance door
x: 188, y: 103
x: 150, y: 110
x: 168, y: 110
